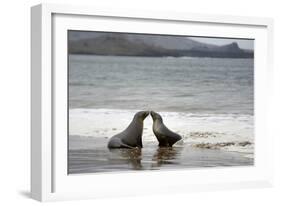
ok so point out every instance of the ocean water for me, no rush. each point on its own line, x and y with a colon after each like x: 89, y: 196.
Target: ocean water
x: 191, y: 85
x: 208, y: 101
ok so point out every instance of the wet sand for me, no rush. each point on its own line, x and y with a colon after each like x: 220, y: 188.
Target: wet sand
x: 91, y: 155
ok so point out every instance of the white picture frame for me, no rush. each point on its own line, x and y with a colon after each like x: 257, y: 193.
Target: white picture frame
x: 49, y: 179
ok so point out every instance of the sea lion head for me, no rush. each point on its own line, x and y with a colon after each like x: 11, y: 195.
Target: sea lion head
x: 155, y: 116
x: 141, y: 115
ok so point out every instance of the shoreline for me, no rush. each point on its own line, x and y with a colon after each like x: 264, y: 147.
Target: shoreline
x: 217, y: 55
x: 89, y: 158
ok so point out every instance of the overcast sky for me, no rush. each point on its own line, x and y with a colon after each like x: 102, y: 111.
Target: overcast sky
x: 243, y: 43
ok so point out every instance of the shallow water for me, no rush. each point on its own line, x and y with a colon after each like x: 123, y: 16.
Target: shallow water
x: 88, y: 155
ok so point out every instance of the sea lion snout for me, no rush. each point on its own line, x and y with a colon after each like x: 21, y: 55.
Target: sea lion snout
x: 145, y: 114
x: 155, y: 115
x: 142, y: 114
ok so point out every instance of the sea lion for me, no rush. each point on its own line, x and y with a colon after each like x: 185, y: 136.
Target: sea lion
x: 165, y: 137
x: 131, y: 137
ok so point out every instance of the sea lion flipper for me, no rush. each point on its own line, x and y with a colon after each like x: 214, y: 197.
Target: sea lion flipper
x: 126, y: 146
x: 117, y: 143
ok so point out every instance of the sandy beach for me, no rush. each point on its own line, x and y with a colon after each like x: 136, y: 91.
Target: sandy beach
x: 89, y: 155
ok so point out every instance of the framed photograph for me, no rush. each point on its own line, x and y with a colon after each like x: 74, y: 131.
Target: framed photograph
x: 136, y: 102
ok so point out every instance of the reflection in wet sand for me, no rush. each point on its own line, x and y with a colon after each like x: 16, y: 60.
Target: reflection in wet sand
x: 96, y: 157
x: 165, y: 155
x: 130, y: 156
x: 133, y: 157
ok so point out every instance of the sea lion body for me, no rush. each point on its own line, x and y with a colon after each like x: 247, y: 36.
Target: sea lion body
x: 165, y: 137
x: 131, y: 137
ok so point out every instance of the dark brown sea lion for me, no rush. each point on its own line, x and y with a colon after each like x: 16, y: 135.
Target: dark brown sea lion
x: 165, y: 137
x: 131, y: 137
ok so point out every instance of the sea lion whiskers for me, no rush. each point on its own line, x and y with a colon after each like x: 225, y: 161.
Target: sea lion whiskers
x: 140, y: 116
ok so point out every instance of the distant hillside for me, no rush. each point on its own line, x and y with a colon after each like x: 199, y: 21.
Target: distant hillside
x: 121, y: 44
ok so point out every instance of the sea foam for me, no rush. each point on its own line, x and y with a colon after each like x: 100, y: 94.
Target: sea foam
x: 230, y: 132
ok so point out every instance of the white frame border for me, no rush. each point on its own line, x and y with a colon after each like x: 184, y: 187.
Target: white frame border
x: 42, y: 87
